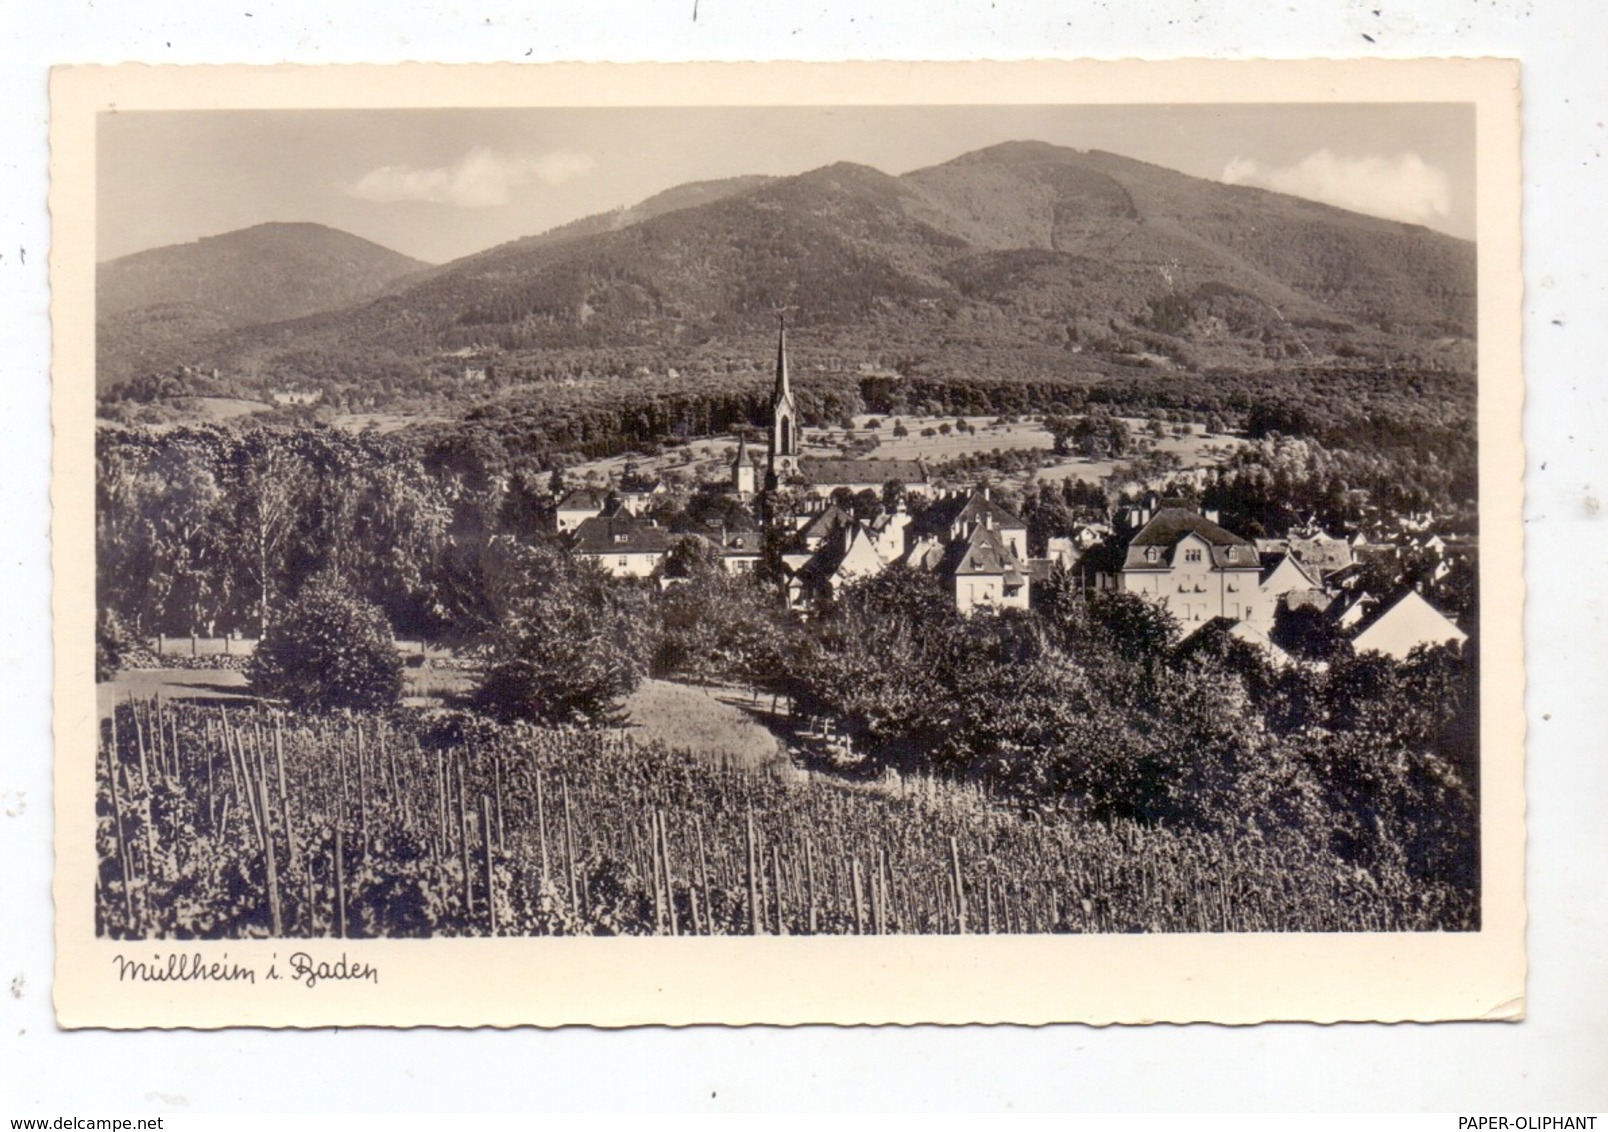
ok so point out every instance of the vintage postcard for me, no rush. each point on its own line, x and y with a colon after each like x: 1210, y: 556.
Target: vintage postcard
x: 873, y: 543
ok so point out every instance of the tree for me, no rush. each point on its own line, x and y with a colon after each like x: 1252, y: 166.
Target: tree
x: 270, y: 481
x: 893, y: 495
x: 877, y: 661
x: 328, y: 649
x: 569, y: 643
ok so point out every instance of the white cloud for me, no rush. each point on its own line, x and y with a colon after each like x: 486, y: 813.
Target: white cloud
x: 481, y: 178
x: 1402, y: 187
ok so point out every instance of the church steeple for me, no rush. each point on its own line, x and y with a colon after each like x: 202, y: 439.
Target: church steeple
x: 784, y: 390
x: 783, y: 454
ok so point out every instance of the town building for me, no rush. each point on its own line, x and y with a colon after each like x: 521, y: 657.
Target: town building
x: 577, y: 506
x: 1404, y: 625
x: 1194, y: 568
x: 621, y: 543
x: 977, y: 547
x: 1284, y: 581
x: 1320, y: 553
x: 824, y: 475
x: 637, y: 493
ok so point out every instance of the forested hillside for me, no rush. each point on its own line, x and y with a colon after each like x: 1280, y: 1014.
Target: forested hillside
x: 1019, y: 258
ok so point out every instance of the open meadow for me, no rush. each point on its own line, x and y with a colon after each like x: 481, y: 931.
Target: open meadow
x: 709, y: 459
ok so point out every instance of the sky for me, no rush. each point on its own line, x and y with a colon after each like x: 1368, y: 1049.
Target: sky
x: 437, y: 184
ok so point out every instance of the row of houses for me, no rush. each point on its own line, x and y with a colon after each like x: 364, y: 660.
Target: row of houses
x: 1170, y: 553
x: 1200, y: 572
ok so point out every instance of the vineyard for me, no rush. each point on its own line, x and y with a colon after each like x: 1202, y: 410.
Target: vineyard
x: 227, y: 822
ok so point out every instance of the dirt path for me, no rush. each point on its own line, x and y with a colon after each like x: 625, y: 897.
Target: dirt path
x: 171, y: 684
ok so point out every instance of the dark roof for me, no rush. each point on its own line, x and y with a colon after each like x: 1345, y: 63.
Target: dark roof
x: 1172, y: 524
x: 1271, y: 562
x: 983, y: 553
x: 619, y: 533
x: 641, y: 485
x: 941, y: 518
x: 980, y: 508
x: 1308, y: 599
x: 823, y: 524
x: 822, y: 470
x: 1323, y: 553
x: 583, y: 499
x: 741, y: 455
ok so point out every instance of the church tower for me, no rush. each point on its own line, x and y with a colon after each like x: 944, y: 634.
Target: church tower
x: 783, y: 456
x: 742, y: 469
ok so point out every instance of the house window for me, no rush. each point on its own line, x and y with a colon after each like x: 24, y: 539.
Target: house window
x: 1192, y: 555
x: 624, y: 561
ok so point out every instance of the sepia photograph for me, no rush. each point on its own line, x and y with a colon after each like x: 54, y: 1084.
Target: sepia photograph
x: 1055, y: 519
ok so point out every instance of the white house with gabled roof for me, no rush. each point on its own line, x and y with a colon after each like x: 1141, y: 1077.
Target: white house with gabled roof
x: 1405, y: 625
x: 1194, y: 568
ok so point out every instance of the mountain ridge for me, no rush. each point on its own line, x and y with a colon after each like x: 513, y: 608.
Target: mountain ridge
x: 1020, y: 245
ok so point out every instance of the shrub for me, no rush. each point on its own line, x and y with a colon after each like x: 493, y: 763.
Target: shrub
x: 113, y: 644
x: 328, y: 649
x: 570, y: 643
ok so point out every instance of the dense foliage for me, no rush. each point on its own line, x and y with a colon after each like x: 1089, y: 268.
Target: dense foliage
x: 568, y: 645
x: 328, y: 649
x: 1090, y: 706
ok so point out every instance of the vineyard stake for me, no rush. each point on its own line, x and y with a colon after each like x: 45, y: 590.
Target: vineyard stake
x: 362, y: 793
x: 569, y: 846
x: 491, y: 884
x: 859, y: 912
x: 340, y: 763
x: 273, y: 871
x: 237, y: 771
x: 960, y: 889
x: 703, y: 872
x: 776, y: 872
x: 809, y: 874
x: 664, y: 855
x: 212, y: 814
x: 541, y: 825
x: 463, y: 845
x: 124, y: 862
x: 653, y: 873
x: 139, y: 735
x: 284, y: 794
x: 753, y: 880
x: 153, y: 720
x: 441, y: 847
x: 312, y: 906
x: 340, y: 881
x: 496, y: 767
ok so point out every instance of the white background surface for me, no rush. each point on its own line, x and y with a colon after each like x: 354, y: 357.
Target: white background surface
x: 1557, y: 1060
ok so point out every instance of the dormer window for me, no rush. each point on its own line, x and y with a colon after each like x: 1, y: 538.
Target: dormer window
x: 621, y: 538
x: 1152, y: 554
x: 1233, y: 554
